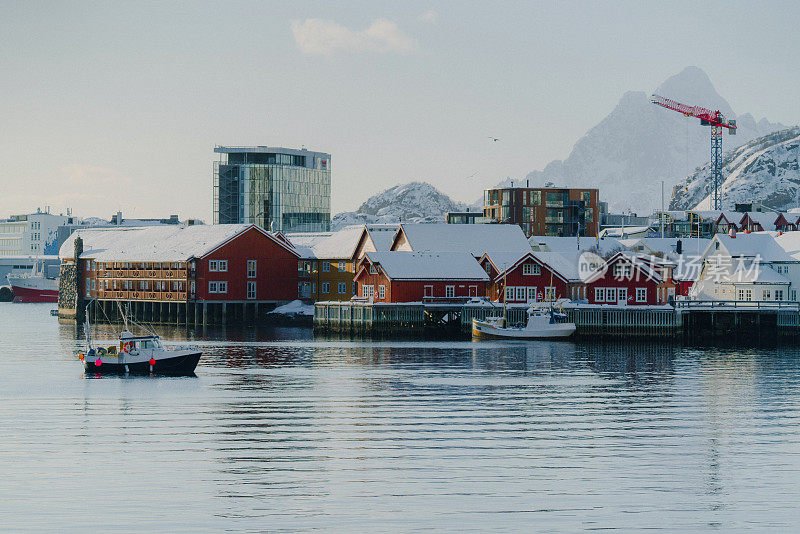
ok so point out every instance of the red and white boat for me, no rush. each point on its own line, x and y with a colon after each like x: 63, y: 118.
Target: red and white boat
x: 34, y: 287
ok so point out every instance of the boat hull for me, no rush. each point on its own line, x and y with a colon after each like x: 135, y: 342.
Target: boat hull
x: 483, y: 330
x: 182, y: 364
x: 33, y: 294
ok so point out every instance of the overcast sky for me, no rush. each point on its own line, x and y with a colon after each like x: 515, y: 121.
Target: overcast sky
x: 118, y: 105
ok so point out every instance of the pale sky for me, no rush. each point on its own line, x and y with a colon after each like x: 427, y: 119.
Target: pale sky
x: 118, y: 105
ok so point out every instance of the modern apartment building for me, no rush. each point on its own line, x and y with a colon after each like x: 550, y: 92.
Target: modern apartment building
x: 544, y: 210
x: 32, y: 234
x: 279, y: 189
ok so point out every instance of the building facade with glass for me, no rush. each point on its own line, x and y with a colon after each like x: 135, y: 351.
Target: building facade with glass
x: 544, y: 210
x: 279, y: 189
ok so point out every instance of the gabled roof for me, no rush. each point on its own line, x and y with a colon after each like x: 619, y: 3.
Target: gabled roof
x: 765, y: 218
x: 762, y: 244
x: 427, y: 265
x: 329, y: 245
x: 506, y: 261
x: 157, y: 243
x: 382, y: 235
x: 476, y: 239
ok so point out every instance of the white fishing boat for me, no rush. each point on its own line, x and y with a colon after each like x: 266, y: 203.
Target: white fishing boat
x: 137, y: 354
x: 543, y: 323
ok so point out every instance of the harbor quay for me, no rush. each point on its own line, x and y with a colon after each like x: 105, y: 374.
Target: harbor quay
x: 685, y: 320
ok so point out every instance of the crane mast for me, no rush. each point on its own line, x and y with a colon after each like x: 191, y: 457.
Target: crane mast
x: 717, y: 122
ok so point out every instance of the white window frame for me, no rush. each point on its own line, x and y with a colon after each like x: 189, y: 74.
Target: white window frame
x: 381, y: 291
x: 641, y: 294
x: 428, y: 289
x: 766, y: 294
x: 326, y: 288
x: 372, y: 269
x: 88, y: 288
x: 531, y: 269
x: 251, y: 289
x: 449, y: 292
x: 326, y: 266
x: 342, y: 266
x: 212, y: 287
x: 599, y: 294
x: 342, y: 288
x: 367, y: 291
x: 510, y: 292
x: 252, y: 268
x: 611, y: 294
x: 521, y: 293
x: 779, y: 294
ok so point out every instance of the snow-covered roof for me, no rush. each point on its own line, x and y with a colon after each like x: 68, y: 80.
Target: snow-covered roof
x: 765, y: 218
x: 789, y: 242
x: 573, y: 246
x: 761, y: 244
x: 756, y: 274
x: 382, y: 235
x: 667, y: 245
x: 155, y: 243
x: 329, y: 245
x: 476, y: 239
x: 428, y: 265
x: 619, y: 231
x: 561, y: 264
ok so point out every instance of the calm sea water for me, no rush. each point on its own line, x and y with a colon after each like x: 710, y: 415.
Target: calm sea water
x: 280, y: 431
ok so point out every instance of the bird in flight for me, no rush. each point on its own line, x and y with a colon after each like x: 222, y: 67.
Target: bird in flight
x: 495, y: 139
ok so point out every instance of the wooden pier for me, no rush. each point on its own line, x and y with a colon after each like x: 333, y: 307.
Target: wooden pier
x: 686, y: 320
x: 190, y: 314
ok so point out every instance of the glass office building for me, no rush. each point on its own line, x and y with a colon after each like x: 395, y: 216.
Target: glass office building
x: 279, y: 189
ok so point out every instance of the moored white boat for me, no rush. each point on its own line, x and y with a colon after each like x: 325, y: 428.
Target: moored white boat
x: 541, y: 324
x: 140, y: 355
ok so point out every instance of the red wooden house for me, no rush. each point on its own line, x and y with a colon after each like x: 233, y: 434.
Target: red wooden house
x: 252, y: 265
x: 420, y: 276
x: 531, y: 277
x: 177, y: 264
x: 628, y: 279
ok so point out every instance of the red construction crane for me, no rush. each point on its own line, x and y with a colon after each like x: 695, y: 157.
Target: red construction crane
x: 717, y: 121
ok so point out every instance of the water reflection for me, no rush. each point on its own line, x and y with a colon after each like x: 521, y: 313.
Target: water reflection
x: 284, y: 431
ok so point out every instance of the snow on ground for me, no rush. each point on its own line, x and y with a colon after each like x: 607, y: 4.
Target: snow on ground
x: 296, y: 307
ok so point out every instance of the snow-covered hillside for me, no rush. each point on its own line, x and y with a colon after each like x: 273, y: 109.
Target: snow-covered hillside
x: 411, y: 202
x: 639, y: 144
x: 764, y: 170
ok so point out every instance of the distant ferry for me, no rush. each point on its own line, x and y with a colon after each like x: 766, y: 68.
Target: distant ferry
x: 34, y: 287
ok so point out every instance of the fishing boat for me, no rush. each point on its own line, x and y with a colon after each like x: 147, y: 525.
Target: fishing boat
x: 137, y: 355
x: 543, y: 323
x: 34, y: 286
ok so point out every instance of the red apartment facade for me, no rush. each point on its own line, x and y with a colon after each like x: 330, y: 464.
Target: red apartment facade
x: 632, y: 280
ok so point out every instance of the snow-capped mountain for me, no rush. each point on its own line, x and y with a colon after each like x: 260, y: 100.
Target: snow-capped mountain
x: 764, y: 170
x: 639, y: 144
x: 411, y: 202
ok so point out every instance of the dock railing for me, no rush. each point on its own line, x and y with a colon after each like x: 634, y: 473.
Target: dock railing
x: 722, y: 305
